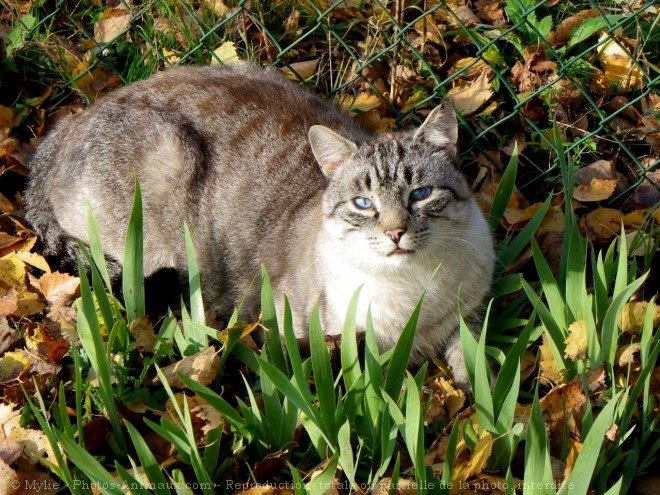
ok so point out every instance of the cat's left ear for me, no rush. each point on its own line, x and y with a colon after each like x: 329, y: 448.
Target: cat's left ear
x: 329, y: 148
x: 440, y: 129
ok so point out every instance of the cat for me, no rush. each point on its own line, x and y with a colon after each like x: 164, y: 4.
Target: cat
x: 264, y: 172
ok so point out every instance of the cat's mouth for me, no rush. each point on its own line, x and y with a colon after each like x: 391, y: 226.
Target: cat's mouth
x: 399, y: 251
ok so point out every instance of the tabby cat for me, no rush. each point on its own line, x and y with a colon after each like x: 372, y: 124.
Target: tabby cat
x: 264, y: 172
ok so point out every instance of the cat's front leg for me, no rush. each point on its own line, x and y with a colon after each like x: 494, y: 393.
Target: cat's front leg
x: 453, y: 355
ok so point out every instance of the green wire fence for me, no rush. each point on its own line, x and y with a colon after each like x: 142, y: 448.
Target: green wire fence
x: 590, y: 66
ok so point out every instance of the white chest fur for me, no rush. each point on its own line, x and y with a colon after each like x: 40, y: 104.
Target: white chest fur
x: 451, y: 278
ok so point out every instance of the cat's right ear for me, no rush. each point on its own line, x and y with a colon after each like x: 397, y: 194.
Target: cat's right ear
x: 329, y: 148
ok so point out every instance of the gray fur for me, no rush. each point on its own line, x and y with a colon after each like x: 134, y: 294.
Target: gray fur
x: 227, y: 151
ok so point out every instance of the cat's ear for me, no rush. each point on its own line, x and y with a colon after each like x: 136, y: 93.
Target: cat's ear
x: 440, y: 129
x: 329, y: 148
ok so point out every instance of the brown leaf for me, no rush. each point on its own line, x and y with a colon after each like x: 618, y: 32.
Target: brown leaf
x: 113, y: 23
x: 143, y: 334
x: 38, y: 339
x: 201, y: 367
x: 8, y: 303
x: 59, y: 289
x: 600, y: 169
x: 562, y: 33
x: 468, y: 99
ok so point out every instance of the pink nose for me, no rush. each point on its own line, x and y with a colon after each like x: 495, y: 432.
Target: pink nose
x: 395, y: 234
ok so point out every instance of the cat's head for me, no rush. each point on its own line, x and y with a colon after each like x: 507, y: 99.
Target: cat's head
x: 400, y: 196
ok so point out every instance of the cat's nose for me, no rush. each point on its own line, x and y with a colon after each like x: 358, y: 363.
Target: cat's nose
x: 395, y: 234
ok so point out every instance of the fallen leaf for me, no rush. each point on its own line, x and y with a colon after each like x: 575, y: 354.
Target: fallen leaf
x: 562, y: 33
x: 226, y: 54
x: 547, y: 363
x: 619, y: 69
x: 218, y: 7
x: 41, y: 342
x: 596, y: 190
x: 8, y: 302
x: 477, y: 461
x: 633, y: 314
x: 625, y: 354
x: 12, y: 365
x: 611, y: 432
x: 361, y: 103
x: 300, y: 71
x: 600, y: 169
x: 112, y: 24
x: 601, y: 224
x: 201, y: 367
x: 468, y: 99
x: 143, y: 334
x: 576, y: 342
x: 12, y: 271
x: 9, y: 483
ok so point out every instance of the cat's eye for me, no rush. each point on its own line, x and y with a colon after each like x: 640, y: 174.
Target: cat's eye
x: 363, y: 203
x: 420, y: 193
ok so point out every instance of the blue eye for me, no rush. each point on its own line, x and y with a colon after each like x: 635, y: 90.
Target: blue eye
x: 420, y: 193
x: 363, y: 203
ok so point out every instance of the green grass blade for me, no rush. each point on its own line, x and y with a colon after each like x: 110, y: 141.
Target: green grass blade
x: 346, y: 455
x: 92, y: 341
x: 538, y: 473
x: 610, y: 329
x: 509, y: 374
x: 508, y: 252
x: 148, y: 461
x: 414, y: 433
x: 269, y: 317
x: 399, y: 361
x: 583, y: 470
x: 350, y: 362
x: 195, y: 283
x: 323, y: 376
x: 450, y: 455
x: 553, y: 295
x: 217, y: 402
x: 321, y: 483
x: 96, y: 247
x: 504, y: 190
x: 133, y: 275
x: 92, y: 468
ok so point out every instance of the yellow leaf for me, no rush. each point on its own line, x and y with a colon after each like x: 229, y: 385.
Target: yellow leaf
x: 33, y: 259
x: 576, y: 342
x: 298, y: 71
x: 361, y: 103
x: 12, y: 271
x: 619, y: 69
x: 633, y: 314
x: 468, y: 99
x: 596, y: 190
x: 29, y: 303
x: 13, y: 364
x: 548, y: 365
x: 625, y: 355
x: 226, y: 54
x: 477, y: 462
x: 6, y: 117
